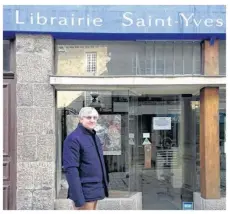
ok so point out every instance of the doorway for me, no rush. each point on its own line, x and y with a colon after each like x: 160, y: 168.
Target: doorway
x: 160, y: 150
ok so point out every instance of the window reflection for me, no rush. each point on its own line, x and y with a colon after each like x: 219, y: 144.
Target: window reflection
x: 124, y: 119
x: 82, y: 60
x: 111, y: 129
x: 127, y: 58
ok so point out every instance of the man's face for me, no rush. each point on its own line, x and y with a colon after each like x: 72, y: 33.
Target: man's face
x: 89, y: 122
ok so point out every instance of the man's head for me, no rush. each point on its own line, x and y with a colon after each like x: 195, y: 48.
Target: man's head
x: 88, y: 117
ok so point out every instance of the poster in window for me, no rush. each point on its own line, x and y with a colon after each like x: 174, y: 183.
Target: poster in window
x: 108, y: 130
x: 161, y: 123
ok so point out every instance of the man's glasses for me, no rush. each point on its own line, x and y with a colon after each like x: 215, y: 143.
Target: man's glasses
x: 91, y: 117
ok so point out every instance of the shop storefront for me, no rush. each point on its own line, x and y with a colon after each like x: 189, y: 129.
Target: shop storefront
x: 156, y: 75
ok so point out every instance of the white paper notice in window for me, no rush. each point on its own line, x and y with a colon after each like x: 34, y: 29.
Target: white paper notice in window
x: 161, y: 123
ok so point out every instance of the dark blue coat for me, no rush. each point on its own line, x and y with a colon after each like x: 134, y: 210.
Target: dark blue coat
x: 84, y: 166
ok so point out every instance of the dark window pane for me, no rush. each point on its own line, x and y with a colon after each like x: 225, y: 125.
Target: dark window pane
x: 6, y: 55
x: 222, y: 57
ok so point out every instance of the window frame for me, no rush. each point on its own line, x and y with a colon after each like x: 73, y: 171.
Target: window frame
x: 92, y: 56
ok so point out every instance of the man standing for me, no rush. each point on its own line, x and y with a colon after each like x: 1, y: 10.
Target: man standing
x: 83, y: 163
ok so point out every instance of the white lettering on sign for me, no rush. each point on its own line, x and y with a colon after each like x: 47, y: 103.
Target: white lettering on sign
x: 207, y: 22
x: 39, y: 19
x: 18, y: 19
x: 129, y: 19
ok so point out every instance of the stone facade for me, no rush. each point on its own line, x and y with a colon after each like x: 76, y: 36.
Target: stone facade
x: 35, y: 122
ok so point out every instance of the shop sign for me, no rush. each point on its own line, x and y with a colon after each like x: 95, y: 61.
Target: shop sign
x: 115, y: 19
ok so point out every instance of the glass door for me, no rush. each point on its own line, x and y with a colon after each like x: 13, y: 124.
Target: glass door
x: 156, y: 160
